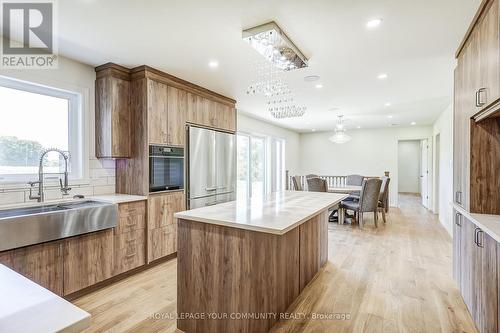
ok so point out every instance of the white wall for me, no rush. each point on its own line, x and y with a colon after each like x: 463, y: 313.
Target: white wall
x: 370, y: 152
x: 409, y: 166
x: 256, y: 126
x: 444, y: 127
x: 99, y: 175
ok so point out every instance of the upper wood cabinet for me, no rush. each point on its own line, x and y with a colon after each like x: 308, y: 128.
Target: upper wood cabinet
x: 112, y: 115
x: 176, y: 118
x: 157, y: 112
x: 481, y: 53
x: 43, y: 264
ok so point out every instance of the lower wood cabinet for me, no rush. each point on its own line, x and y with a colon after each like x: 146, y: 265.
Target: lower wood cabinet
x: 42, y: 264
x: 162, y: 242
x: 88, y: 259
x: 475, y: 267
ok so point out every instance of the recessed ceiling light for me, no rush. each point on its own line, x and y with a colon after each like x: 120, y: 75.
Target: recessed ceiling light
x: 413, y: 123
x: 319, y: 86
x: 213, y: 64
x: 382, y: 76
x: 388, y: 104
x: 389, y: 116
x: 373, y: 23
x: 359, y: 127
x: 311, y: 78
x: 313, y: 130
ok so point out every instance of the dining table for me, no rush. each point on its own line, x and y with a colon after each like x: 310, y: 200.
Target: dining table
x: 349, y: 189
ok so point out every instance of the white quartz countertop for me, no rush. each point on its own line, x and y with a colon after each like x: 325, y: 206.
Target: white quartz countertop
x: 277, y: 213
x: 27, y: 307
x: 118, y: 198
x: 488, y: 223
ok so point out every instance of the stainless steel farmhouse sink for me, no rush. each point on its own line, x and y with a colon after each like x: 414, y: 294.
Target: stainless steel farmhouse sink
x: 46, y: 222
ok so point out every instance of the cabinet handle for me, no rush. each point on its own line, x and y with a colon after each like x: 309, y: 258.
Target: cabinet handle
x: 458, y: 197
x: 475, y: 235
x: 479, y: 102
x: 477, y: 99
x: 131, y: 255
x: 458, y: 219
x: 479, y: 239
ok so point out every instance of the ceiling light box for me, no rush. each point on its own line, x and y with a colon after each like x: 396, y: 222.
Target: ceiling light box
x: 272, y: 43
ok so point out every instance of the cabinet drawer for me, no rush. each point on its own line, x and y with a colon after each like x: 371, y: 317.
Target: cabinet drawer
x: 129, y: 251
x: 132, y: 208
x: 162, y: 242
x: 162, y: 207
x: 132, y: 217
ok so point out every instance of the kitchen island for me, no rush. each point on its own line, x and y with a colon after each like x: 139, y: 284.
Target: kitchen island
x: 241, y: 264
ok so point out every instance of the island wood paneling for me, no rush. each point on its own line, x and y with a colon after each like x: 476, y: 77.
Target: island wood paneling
x: 224, y: 270
x: 485, y: 166
x: 313, y: 247
x: 42, y: 264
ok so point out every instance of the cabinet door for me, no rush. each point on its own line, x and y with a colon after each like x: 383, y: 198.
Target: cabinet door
x: 467, y: 263
x: 157, y: 112
x: 457, y: 236
x: 489, y: 48
x: 88, y: 260
x: 161, y: 208
x: 162, y: 242
x: 488, y: 294
x: 225, y: 117
x: 43, y: 264
x: 458, y: 132
x: 177, y: 111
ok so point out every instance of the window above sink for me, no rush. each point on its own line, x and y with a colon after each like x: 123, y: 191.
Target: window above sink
x: 35, y: 118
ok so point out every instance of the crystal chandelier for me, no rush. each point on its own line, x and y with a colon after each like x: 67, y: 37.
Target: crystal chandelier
x: 340, y: 135
x: 272, y: 43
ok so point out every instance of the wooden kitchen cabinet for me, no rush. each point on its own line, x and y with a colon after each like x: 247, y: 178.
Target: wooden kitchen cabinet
x: 130, y: 237
x: 162, y: 242
x: 157, y: 112
x: 488, y: 31
x: 88, y: 259
x: 161, y: 208
x: 177, y: 112
x: 167, y: 109
x: 162, y: 227
x: 43, y: 264
x: 475, y: 263
x: 112, y: 117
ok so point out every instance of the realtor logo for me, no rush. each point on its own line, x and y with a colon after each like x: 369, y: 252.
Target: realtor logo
x: 28, y: 35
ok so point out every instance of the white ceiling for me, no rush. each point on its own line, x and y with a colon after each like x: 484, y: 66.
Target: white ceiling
x: 415, y: 46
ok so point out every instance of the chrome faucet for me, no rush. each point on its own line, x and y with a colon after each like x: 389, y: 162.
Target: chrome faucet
x: 40, y: 196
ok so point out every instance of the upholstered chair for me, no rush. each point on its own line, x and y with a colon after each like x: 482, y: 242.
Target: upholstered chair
x: 368, y: 200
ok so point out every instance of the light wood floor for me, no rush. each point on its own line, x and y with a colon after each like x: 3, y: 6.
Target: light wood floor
x: 396, y: 278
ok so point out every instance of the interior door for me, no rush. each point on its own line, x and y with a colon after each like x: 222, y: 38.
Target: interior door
x: 424, y: 173
x: 202, y: 175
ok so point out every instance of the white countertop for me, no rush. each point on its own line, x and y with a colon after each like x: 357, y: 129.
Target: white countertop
x: 118, y: 198
x: 277, y: 213
x: 488, y: 223
x: 27, y: 307
x: 110, y: 198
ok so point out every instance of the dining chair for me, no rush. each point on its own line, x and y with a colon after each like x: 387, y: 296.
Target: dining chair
x: 383, y: 197
x: 355, y: 180
x: 317, y: 185
x: 297, y: 184
x: 368, y: 200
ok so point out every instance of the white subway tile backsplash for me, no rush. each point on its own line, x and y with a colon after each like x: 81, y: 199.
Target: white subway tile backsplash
x: 101, y: 181
x: 106, y: 189
x: 8, y: 198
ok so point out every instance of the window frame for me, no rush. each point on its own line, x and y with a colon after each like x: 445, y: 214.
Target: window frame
x: 269, y: 158
x: 75, y: 127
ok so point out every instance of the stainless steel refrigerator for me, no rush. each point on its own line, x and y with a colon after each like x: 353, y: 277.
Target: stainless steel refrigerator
x: 211, y: 167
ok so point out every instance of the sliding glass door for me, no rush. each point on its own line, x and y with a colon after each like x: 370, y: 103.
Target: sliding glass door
x: 260, y: 165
